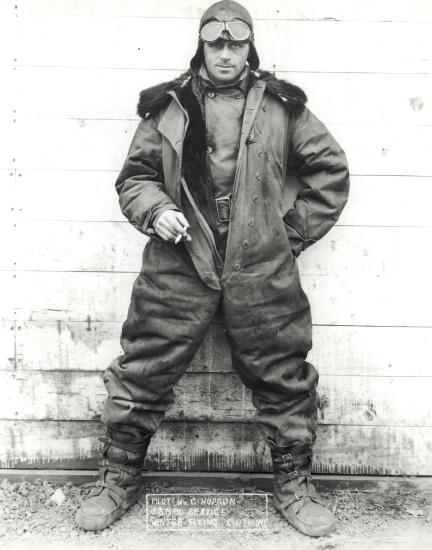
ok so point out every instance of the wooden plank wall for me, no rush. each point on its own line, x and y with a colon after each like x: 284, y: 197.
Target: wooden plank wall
x: 72, y: 71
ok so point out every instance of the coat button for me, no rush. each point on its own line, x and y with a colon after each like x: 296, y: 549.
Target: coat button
x: 245, y: 244
x: 259, y: 154
x: 258, y: 177
x: 264, y: 108
x: 237, y: 267
x: 239, y: 95
x: 255, y: 198
x: 211, y: 94
x: 209, y: 149
x: 251, y: 222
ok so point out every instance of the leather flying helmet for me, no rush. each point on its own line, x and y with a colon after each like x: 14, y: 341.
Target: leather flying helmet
x: 230, y: 20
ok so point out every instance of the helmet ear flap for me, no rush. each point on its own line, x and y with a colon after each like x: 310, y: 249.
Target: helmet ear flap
x: 198, y: 59
x: 253, y: 58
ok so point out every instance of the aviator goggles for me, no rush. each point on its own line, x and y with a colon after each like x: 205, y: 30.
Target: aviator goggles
x: 236, y: 30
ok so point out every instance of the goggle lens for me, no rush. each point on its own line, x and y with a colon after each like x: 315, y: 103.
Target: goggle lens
x: 213, y: 30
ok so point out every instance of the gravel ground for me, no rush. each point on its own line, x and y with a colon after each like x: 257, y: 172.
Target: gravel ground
x: 40, y: 514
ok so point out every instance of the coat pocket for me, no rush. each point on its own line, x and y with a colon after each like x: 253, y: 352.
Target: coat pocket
x: 295, y: 240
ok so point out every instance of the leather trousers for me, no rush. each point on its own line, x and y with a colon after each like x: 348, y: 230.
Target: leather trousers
x: 169, y: 314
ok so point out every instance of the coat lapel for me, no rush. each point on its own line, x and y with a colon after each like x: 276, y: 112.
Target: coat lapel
x: 173, y: 124
x: 253, y: 102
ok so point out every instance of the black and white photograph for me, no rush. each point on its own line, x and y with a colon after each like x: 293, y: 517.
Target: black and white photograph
x: 216, y: 304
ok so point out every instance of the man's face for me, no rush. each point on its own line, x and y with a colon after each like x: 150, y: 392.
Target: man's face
x: 225, y: 60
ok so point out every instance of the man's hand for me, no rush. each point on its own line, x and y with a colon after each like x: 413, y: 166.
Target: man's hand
x: 172, y: 226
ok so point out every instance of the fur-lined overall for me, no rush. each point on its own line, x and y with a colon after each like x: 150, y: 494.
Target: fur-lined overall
x: 179, y: 288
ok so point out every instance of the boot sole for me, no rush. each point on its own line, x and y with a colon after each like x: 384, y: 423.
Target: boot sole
x: 101, y: 522
x: 307, y: 529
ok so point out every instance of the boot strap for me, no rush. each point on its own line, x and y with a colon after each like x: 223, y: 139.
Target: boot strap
x: 299, y: 494
x: 290, y: 454
x: 99, y: 485
x: 289, y: 458
x: 132, y: 470
x: 295, y: 450
x: 132, y: 447
x: 295, y: 474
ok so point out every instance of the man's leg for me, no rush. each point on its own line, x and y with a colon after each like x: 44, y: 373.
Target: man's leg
x: 269, y: 342
x: 168, y: 317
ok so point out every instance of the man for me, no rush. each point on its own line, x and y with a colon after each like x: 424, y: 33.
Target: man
x: 204, y: 179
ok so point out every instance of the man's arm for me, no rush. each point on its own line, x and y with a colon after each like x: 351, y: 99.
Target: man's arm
x: 140, y: 184
x: 321, y: 167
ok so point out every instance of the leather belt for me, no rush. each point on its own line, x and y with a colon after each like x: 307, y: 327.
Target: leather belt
x: 223, y: 207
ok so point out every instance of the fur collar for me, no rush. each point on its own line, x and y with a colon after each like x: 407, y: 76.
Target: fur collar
x: 154, y: 99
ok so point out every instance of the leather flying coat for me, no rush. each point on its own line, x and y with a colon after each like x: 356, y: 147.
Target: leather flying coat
x: 165, y: 169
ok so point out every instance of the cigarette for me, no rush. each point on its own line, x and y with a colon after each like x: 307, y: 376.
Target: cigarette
x: 177, y: 240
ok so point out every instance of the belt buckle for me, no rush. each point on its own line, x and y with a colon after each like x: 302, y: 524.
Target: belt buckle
x: 223, y: 207
x: 300, y: 494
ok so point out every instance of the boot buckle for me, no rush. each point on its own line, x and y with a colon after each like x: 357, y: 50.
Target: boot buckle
x: 105, y: 462
x: 293, y: 475
x: 287, y: 457
x: 99, y: 483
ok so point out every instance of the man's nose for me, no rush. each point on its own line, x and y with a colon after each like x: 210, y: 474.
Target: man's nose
x: 225, y: 54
